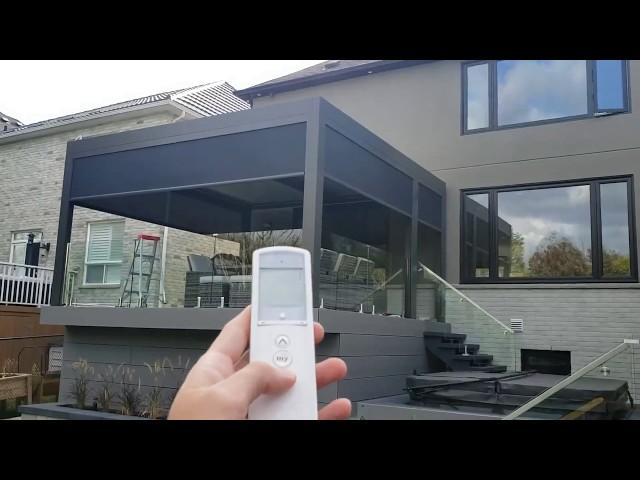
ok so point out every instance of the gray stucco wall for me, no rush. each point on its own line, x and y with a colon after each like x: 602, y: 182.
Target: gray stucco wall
x: 417, y: 110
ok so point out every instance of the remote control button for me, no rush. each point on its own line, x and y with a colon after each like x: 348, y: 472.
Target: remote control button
x: 282, y: 341
x: 283, y: 316
x: 282, y: 358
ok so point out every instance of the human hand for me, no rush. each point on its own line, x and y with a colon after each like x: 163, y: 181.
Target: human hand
x: 222, y: 383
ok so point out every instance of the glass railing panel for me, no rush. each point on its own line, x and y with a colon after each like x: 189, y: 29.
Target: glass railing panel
x: 606, y: 388
x: 440, y: 301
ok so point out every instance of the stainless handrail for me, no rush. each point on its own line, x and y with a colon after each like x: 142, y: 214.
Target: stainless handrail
x: 571, y: 378
x: 507, y: 329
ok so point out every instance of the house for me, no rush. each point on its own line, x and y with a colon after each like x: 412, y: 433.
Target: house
x: 8, y: 123
x: 32, y: 167
x: 540, y: 159
x: 487, y: 200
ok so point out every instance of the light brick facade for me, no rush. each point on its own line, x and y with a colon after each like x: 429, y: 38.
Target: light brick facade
x: 32, y: 171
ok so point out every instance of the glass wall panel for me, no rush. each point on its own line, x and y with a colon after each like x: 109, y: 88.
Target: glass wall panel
x: 476, y: 230
x: 531, y: 90
x: 545, y: 233
x: 610, y: 84
x: 477, y: 90
x: 363, y: 257
x: 614, y: 213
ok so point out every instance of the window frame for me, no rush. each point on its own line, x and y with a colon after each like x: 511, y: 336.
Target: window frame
x: 15, y: 242
x: 104, y: 264
x: 596, y: 232
x: 592, y: 99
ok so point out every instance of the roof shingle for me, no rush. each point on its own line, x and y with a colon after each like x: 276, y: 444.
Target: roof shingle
x: 325, y: 72
x: 205, y: 100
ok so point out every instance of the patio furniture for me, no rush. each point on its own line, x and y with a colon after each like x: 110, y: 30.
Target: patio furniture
x: 240, y: 291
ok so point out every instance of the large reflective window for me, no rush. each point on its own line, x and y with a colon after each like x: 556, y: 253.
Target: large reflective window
x: 525, y: 91
x: 545, y: 233
x: 614, y: 212
x: 610, y: 84
x: 477, y: 96
x: 532, y: 90
x: 476, y: 235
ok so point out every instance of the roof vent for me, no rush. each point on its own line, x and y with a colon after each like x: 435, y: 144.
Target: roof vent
x: 331, y: 64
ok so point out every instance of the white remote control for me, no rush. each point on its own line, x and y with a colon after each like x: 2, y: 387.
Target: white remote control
x: 282, y: 330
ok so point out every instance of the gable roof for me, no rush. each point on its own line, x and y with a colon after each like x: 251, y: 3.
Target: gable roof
x: 8, y: 123
x: 203, y: 100
x: 324, y: 72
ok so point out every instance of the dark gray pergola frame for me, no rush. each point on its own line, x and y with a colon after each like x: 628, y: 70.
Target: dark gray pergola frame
x: 320, y: 119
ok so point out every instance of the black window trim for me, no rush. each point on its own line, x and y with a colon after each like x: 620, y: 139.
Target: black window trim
x: 596, y: 231
x: 592, y: 108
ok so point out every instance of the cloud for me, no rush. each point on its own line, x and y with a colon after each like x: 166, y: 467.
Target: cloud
x: 530, y: 90
x: 566, y: 210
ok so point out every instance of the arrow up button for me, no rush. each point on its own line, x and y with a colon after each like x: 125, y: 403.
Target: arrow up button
x: 282, y: 341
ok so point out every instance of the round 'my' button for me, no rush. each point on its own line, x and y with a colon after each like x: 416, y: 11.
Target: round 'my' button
x: 282, y: 358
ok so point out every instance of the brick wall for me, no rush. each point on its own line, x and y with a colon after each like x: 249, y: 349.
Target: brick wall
x: 587, y: 320
x: 32, y: 172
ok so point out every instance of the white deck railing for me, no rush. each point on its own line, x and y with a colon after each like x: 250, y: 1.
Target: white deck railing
x: 25, y: 284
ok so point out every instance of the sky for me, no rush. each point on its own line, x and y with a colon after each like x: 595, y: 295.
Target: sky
x: 31, y: 90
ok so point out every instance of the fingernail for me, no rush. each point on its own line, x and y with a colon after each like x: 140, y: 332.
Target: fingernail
x: 289, y: 374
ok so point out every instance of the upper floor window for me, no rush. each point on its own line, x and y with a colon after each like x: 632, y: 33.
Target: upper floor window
x: 19, y: 241
x: 578, y: 231
x: 506, y: 93
x: 103, y: 258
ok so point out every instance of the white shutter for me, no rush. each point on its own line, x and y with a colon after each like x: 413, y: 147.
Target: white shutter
x: 117, y: 233
x: 105, y: 242
x: 99, y: 243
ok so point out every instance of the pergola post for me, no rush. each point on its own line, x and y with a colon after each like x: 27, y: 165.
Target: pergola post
x: 65, y: 223
x: 411, y: 256
x: 313, y: 194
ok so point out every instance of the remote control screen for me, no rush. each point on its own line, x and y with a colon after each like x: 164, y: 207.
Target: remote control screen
x: 282, y: 292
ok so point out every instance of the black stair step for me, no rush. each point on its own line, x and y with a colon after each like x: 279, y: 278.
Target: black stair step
x: 472, y: 348
x: 479, y: 358
x: 446, y: 337
x: 488, y: 368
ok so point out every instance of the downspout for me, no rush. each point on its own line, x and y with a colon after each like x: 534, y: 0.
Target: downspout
x: 165, y: 240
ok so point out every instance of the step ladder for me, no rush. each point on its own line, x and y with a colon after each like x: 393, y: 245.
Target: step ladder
x: 136, y: 288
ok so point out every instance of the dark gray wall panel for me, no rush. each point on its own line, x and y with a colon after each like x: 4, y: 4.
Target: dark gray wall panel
x: 143, y: 337
x: 372, y: 387
x: 330, y: 345
x: 97, y: 353
x: 328, y: 393
x: 383, y: 365
x: 368, y: 345
x: 349, y: 322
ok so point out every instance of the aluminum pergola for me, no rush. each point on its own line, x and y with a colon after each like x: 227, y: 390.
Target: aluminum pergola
x: 214, y: 174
